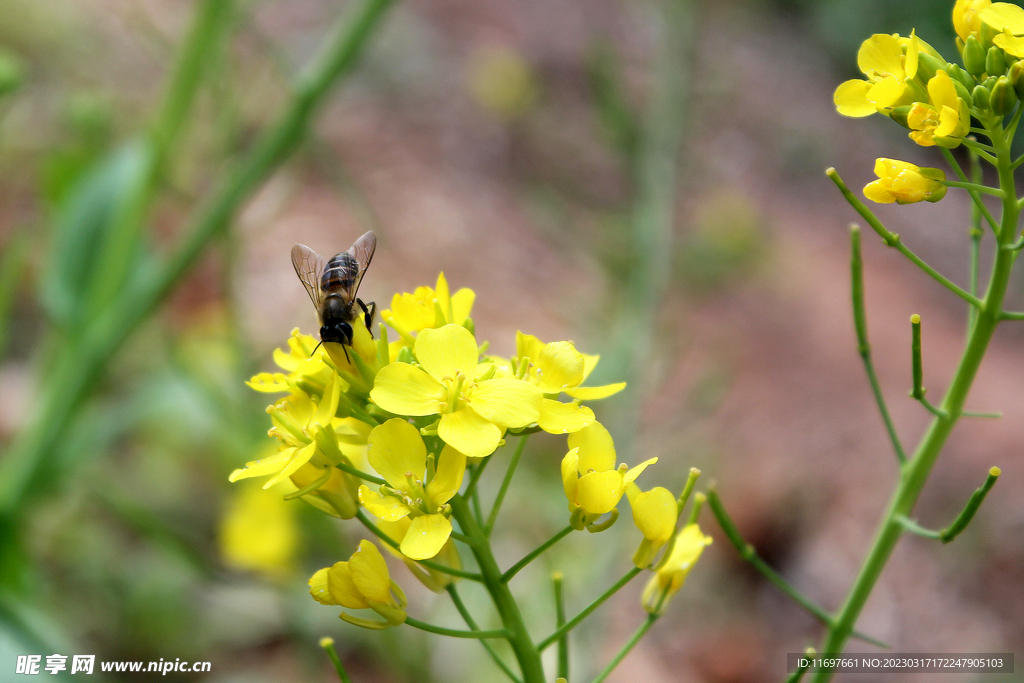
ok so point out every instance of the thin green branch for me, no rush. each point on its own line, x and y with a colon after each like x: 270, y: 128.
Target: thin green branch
x: 468, y: 618
x: 798, y: 675
x: 748, y: 553
x: 981, y: 149
x: 974, y: 187
x: 429, y: 564
x: 893, y: 240
x: 557, y: 579
x: 918, y: 390
x: 691, y: 481
x: 630, y: 644
x: 345, y: 467
x: 534, y: 554
x: 328, y: 645
x: 994, y: 415
x: 509, y: 473
x: 455, y: 633
x: 698, y: 504
x: 860, y: 323
x: 976, y: 234
x: 1012, y: 315
x: 967, y: 514
x: 913, y: 527
x: 571, y: 624
x: 478, y: 470
x: 976, y: 179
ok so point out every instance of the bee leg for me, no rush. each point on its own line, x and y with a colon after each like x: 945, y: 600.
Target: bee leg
x: 369, y: 312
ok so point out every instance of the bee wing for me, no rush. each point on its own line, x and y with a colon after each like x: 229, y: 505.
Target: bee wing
x: 309, y: 266
x: 362, y: 252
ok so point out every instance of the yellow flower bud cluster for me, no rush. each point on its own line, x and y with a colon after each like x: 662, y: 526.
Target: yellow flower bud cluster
x: 908, y: 81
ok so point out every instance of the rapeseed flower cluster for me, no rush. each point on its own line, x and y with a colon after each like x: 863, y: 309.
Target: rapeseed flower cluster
x: 907, y: 80
x: 385, y: 430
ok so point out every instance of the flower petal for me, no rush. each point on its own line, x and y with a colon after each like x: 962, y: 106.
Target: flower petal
x: 571, y: 474
x: 597, y: 450
x: 599, y: 492
x: 268, y: 465
x: 851, y: 99
x: 300, y: 458
x: 388, y: 508
x: 509, y: 403
x: 426, y: 536
x: 318, y: 587
x: 596, y: 393
x: 562, y: 418
x: 635, y: 472
x: 559, y: 367
x: 446, y: 351
x: 405, y: 389
x: 655, y: 514
x: 343, y: 589
x: 395, y: 450
x: 447, y: 479
x: 467, y: 432
x: 370, y: 573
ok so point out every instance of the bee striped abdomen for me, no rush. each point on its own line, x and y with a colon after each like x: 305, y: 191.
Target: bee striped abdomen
x: 340, y: 274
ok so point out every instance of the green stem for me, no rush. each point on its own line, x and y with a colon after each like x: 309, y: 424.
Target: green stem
x: 630, y: 644
x: 509, y: 473
x: 915, y: 471
x: 78, y: 369
x: 979, y: 205
x: 571, y: 624
x: 691, y: 481
x: 535, y: 553
x: 455, y: 633
x: 893, y: 240
x: 468, y: 618
x: 974, y: 187
x: 557, y: 579
x: 917, y: 365
x: 860, y: 323
x: 328, y: 645
x: 749, y: 553
x: 967, y: 514
x: 429, y: 564
x: 526, y: 654
x: 345, y: 467
x: 915, y: 528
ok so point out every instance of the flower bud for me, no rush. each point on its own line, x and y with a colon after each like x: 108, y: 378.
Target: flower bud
x: 974, y: 57
x: 1003, y: 97
x: 962, y: 92
x: 960, y: 76
x: 928, y: 65
x: 905, y: 183
x: 980, y: 96
x: 995, y: 62
x: 1017, y: 78
x: 899, y: 114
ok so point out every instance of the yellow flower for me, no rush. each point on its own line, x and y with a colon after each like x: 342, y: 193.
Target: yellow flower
x: 890, y: 75
x: 593, y: 484
x: 967, y: 17
x: 308, y: 432
x: 672, y: 571
x: 554, y: 368
x: 361, y: 583
x: 474, y: 412
x: 945, y: 120
x: 398, y: 453
x: 306, y: 369
x: 655, y: 513
x: 258, y: 532
x: 427, y: 308
x: 433, y: 579
x: 905, y: 183
x: 1006, y: 20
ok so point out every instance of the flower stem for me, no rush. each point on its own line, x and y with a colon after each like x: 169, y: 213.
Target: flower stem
x: 571, y: 624
x: 455, y: 633
x: 429, y: 564
x: 558, y: 580
x: 526, y: 654
x: 509, y: 473
x: 630, y: 644
x: 328, y: 645
x: 461, y: 606
x: 514, y: 569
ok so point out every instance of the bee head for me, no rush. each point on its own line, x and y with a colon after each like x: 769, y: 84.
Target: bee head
x: 339, y: 332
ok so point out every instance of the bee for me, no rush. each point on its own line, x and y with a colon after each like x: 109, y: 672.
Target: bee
x: 332, y: 286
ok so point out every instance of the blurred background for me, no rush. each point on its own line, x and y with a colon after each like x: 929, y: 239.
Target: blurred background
x: 643, y: 177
